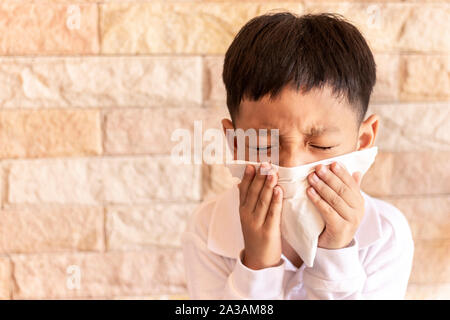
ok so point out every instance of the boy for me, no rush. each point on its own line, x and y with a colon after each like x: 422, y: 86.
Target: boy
x: 311, y: 78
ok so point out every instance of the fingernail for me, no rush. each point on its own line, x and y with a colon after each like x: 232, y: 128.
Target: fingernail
x: 312, y: 191
x: 277, y: 191
x: 315, y: 178
x: 323, y: 170
x: 338, y: 166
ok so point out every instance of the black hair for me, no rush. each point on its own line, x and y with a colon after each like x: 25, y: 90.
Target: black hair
x: 308, y: 51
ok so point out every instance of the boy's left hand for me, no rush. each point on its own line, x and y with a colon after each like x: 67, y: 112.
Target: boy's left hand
x: 340, y: 202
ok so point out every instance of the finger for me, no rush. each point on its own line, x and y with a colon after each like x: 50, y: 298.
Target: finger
x: 273, y: 217
x: 345, y: 176
x: 265, y: 198
x: 331, y: 197
x: 338, y: 186
x: 255, y: 187
x: 329, y: 215
x: 245, y: 182
x: 357, y: 176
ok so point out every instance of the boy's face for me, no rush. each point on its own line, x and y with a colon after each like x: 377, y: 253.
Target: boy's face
x: 307, y: 123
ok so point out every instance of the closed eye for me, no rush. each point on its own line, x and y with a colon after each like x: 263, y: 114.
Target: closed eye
x: 323, y: 148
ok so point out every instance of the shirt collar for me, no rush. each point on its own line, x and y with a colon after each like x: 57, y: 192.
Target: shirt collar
x: 225, y: 234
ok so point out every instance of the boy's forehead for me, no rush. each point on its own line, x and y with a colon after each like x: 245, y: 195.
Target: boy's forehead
x: 312, y: 130
x: 309, y: 123
x: 313, y: 113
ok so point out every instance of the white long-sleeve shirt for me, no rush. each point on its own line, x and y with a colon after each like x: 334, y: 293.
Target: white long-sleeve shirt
x: 376, y: 265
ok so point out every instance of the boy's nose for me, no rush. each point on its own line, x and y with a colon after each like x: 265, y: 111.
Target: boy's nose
x: 292, y: 158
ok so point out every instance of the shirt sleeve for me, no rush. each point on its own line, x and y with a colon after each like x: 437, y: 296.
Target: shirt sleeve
x: 335, y: 274
x: 379, y: 272
x: 208, y: 276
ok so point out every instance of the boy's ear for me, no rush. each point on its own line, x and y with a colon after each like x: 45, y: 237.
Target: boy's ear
x: 368, y: 132
x: 228, y: 125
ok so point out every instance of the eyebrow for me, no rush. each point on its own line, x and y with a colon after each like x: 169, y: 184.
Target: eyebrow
x: 313, y: 131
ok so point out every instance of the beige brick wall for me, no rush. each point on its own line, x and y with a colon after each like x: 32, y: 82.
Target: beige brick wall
x: 90, y: 92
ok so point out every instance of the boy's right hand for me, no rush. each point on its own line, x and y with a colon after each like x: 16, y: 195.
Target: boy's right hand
x: 260, y: 212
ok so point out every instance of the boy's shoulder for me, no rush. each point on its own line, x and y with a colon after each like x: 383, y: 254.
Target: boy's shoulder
x: 199, y: 221
x: 216, y: 223
x: 393, y: 223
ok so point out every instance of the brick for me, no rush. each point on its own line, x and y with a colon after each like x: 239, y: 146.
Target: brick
x: 213, y: 86
x: 100, y: 82
x: 34, y: 229
x: 408, y: 173
x: 133, y: 131
x: 425, y: 77
x: 67, y: 181
x: 95, y: 181
x: 428, y: 291
x: 140, y: 227
x: 48, y: 28
x: 424, y: 28
x: 91, y: 275
x: 411, y: 127
x: 394, y: 26
x: 431, y: 263
x: 421, y: 173
x: 147, y: 131
x: 5, y: 278
x: 427, y: 216
x: 387, y: 84
x: 178, y: 27
x: 49, y: 133
x: 147, y: 179
x: 2, y: 186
